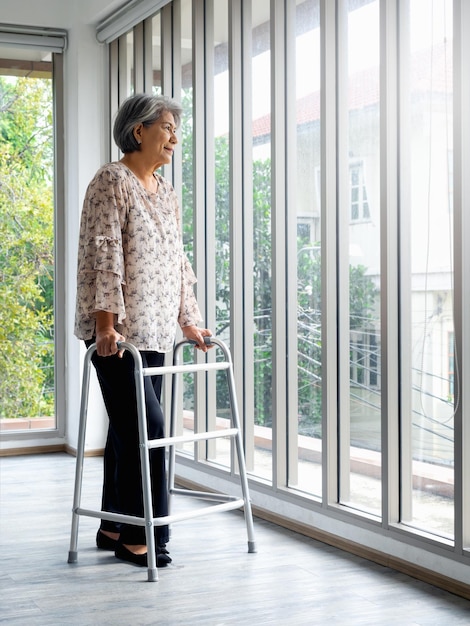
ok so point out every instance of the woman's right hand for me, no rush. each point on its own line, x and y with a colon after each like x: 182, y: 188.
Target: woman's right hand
x: 107, y: 336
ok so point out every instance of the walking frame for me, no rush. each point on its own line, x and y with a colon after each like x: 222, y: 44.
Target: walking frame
x: 223, y: 502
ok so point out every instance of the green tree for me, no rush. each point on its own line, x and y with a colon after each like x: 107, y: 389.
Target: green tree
x: 309, y: 337
x: 26, y: 253
x: 362, y: 305
x: 262, y: 289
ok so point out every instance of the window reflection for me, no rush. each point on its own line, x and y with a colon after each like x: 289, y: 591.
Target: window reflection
x: 359, y: 289
x: 427, y: 314
x: 308, y: 211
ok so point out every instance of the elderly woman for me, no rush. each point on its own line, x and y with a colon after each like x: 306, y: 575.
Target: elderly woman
x: 134, y: 284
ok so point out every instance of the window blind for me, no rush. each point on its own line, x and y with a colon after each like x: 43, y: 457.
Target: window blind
x: 46, y: 39
x: 125, y: 18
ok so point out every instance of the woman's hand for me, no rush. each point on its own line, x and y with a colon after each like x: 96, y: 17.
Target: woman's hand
x: 196, y: 334
x: 107, y: 336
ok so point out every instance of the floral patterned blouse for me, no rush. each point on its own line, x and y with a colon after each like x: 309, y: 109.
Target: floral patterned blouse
x: 131, y: 261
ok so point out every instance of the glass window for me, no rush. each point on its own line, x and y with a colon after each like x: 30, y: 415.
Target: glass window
x: 243, y: 132
x: 359, y: 292
x: 358, y: 190
x: 308, y: 476
x: 262, y: 286
x: 156, y: 62
x: 218, y: 218
x: 427, y: 270
x: 186, y: 98
x: 126, y: 65
x: 27, y: 382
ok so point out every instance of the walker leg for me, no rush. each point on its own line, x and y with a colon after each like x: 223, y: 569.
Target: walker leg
x: 241, y: 462
x: 145, y: 472
x: 73, y: 552
x: 172, y: 430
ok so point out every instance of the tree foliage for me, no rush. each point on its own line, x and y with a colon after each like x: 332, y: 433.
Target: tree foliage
x: 26, y: 253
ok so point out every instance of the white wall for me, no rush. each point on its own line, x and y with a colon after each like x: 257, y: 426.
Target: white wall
x: 86, y: 137
x: 85, y: 148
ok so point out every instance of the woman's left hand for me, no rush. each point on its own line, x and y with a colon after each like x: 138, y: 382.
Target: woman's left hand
x: 196, y: 334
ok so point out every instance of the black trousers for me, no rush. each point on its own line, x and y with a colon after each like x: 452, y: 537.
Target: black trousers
x: 122, y: 485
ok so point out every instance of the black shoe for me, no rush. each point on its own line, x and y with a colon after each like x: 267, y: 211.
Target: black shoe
x: 124, y: 554
x: 103, y: 542
x: 162, y: 554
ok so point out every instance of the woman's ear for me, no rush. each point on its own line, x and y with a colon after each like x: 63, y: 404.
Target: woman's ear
x: 138, y: 133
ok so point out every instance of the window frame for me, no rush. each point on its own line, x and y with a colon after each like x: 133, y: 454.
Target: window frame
x: 51, y: 436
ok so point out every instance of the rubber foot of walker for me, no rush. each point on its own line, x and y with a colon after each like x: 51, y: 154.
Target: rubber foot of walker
x: 152, y: 575
x: 251, y: 547
x: 73, y: 557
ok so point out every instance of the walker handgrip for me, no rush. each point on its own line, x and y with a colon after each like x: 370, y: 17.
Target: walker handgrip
x: 207, y: 341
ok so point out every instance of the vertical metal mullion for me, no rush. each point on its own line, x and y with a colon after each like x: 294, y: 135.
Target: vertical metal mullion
x: 172, y: 81
x: 343, y: 286
x: 210, y: 216
x: 291, y: 261
x: 278, y: 252
x: 171, y: 85
x: 328, y: 252
x: 59, y: 244
x: 389, y: 259
x: 199, y: 196
x: 171, y: 78
x: 461, y: 55
x: 148, y: 56
x: 405, y: 396
x: 241, y: 216
x: 138, y: 39
x: 248, y: 359
x: 171, y: 48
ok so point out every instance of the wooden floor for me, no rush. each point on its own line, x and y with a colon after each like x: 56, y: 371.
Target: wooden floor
x: 213, y: 581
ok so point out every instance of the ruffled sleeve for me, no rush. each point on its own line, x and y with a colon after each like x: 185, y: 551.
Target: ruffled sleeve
x: 101, y: 269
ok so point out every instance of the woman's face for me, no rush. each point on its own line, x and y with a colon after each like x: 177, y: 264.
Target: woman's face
x: 158, y: 141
